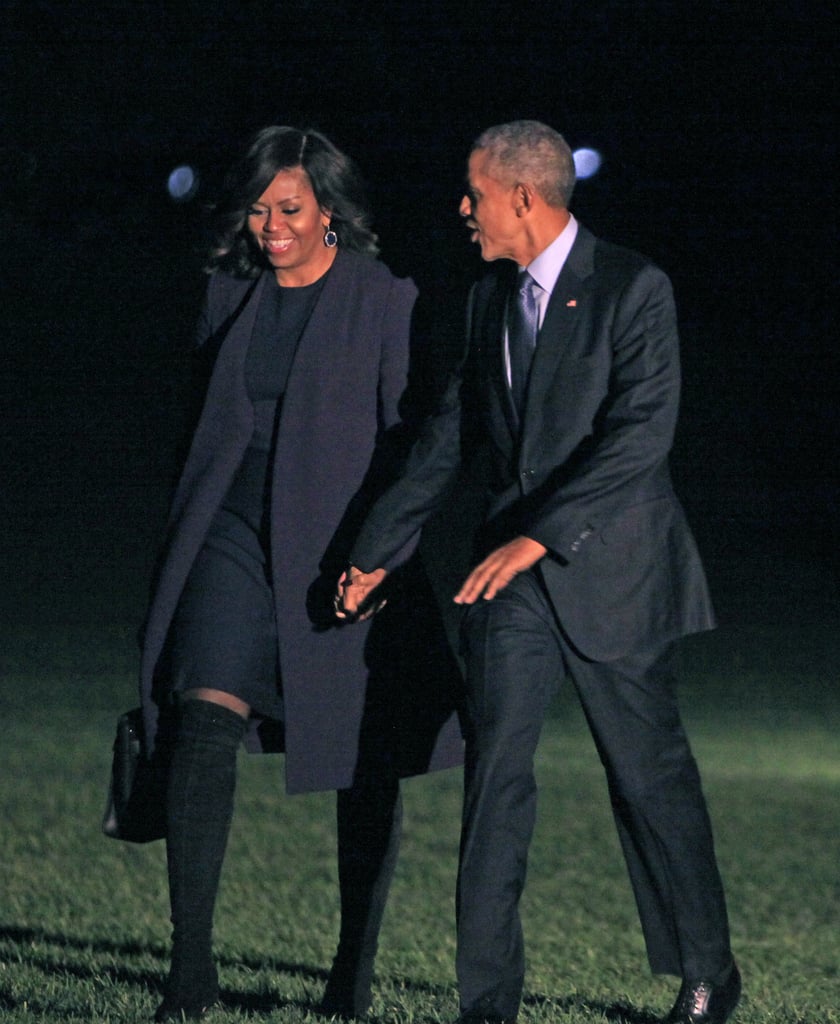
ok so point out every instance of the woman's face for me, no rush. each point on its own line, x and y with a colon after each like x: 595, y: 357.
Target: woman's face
x: 287, y: 226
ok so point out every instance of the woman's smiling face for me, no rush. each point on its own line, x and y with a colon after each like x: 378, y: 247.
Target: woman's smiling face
x: 287, y: 226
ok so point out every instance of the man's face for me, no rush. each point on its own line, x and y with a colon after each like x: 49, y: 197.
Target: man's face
x: 489, y: 208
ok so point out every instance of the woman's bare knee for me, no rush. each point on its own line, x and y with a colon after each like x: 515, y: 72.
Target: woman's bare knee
x: 226, y: 700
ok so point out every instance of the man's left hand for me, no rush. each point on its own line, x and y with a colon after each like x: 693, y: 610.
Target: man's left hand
x: 499, y: 568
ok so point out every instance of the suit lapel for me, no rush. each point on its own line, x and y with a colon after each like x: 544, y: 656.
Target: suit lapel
x: 491, y: 335
x: 566, y: 305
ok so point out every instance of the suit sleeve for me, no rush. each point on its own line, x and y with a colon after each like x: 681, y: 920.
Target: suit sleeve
x: 394, y: 522
x: 622, y: 461
x: 396, y: 518
x: 395, y: 436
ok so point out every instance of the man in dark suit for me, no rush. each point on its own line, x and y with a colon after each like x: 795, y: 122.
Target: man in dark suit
x: 569, y: 390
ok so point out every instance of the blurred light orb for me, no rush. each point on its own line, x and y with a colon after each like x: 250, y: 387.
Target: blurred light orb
x: 182, y: 184
x: 587, y: 162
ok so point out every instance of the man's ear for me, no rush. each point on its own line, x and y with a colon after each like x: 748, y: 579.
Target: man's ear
x: 523, y: 199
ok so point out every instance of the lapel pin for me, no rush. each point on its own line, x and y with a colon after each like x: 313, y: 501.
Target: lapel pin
x: 571, y: 303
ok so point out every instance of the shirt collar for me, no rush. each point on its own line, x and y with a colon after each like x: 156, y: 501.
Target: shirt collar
x: 545, y: 268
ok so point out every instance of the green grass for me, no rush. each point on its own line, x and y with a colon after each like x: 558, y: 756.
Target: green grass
x: 83, y: 919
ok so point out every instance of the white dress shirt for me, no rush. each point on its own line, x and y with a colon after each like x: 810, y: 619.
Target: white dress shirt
x: 545, y: 269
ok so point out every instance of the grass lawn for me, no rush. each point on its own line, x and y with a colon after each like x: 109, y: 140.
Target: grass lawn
x: 83, y: 919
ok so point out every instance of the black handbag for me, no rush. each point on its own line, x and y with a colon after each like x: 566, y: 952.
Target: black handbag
x: 136, y: 807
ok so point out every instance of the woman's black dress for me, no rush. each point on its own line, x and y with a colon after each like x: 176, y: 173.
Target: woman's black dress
x: 224, y: 634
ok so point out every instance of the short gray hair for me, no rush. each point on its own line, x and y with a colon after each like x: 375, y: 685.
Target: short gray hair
x: 529, y: 152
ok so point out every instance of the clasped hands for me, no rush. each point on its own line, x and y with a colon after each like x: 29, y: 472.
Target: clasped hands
x: 355, y: 597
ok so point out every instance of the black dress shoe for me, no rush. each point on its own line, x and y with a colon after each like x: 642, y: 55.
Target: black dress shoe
x: 704, y: 1002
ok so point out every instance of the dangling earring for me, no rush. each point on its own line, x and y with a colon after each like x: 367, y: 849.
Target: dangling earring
x: 330, y: 238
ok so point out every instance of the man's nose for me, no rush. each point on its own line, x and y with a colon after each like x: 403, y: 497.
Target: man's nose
x: 465, y: 209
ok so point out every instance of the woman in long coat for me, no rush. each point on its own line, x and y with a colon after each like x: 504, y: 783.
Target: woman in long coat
x: 305, y: 338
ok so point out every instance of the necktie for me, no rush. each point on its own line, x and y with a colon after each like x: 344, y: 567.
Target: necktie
x: 522, y: 337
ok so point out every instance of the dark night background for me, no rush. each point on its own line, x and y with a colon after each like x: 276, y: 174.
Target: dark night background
x: 716, y: 128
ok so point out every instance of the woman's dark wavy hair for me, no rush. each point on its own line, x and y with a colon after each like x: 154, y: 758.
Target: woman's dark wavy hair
x: 335, y: 180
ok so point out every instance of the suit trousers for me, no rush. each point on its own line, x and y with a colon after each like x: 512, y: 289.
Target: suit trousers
x: 516, y: 655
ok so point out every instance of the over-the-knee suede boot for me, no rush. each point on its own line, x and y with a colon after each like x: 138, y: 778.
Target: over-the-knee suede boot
x: 199, y: 811
x: 369, y: 825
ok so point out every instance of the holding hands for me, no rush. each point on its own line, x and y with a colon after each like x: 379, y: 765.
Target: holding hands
x: 354, y: 599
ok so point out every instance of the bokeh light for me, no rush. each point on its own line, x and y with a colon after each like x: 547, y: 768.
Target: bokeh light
x: 182, y: 184
x: 587, y: 162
